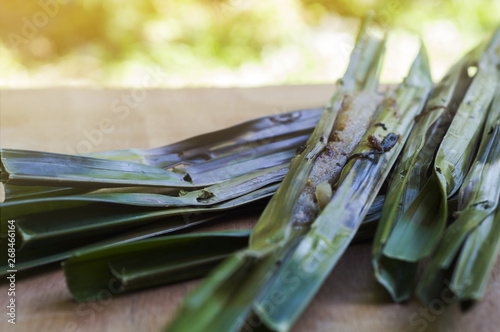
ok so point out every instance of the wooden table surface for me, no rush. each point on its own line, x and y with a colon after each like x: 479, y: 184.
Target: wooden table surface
x: 67, y: 119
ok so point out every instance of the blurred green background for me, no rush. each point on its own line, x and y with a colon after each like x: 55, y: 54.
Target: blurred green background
x: 222, y: 42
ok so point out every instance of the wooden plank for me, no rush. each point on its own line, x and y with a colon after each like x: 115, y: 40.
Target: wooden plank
x: 61, y: 120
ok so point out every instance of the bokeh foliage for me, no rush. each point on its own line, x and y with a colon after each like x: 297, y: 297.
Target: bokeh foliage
x: 106, y: 41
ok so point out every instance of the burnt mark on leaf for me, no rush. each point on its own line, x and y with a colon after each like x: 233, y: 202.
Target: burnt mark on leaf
x: 374, y: 143
x: 382, y: 125
x: 365, y: 155
x: 205, y: 195
x: 389, y: 141
x: 380, y: 147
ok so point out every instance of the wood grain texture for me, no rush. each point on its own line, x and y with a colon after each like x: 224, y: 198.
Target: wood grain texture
x: 59, y: 120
